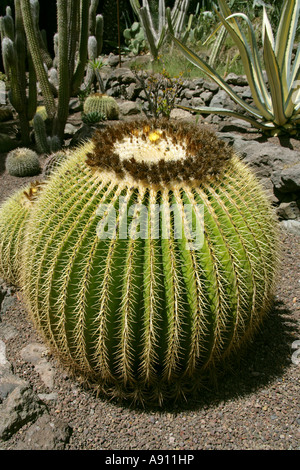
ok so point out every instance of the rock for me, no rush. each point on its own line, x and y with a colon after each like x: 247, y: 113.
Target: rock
x: 128, y: 108
x: 292, y: 226
x: 8, y: 331
x: 83, y: 134
x: 22, y: 406
x: 197, y: 102
x: 287, y: 180
x: 8, y: 383
x: 46, y: 433
x: 288, y: 210
x: 188, y: 94
x: 75, y: 105
x: 222, y: 100
x: 5, y: 366
x: 189, y: 85
x: 70, y: 130
x: 210, y: 86
x: 233, y: 79
x: 207, y: 96
x: 121, y: 75
x: 48, y: 397
x: 180, y: 114
x: 247, y: 94
x: 199, y: 82
x: 8, y: 302
x: 265, y: 158
x: 132, y: 91
x: 234, y: 125
x: 112, y: 60
x: 35, y: 354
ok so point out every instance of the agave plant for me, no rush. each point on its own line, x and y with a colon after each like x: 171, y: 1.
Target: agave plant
x: 157, y: 36
x: 276, y: 102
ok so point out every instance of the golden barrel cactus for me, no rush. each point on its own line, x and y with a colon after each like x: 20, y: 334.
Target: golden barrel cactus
x: 150, y: 257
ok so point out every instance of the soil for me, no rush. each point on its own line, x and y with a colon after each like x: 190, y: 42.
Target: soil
x: 255, y: 406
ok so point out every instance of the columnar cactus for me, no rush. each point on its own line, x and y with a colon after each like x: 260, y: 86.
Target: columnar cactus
x: 15, y: 56
x: 102, y: 104
x: 13, y: 217
x: 73, y: 29
x: 22, y: 162
x: 53, y: 162
x: 150, y: 257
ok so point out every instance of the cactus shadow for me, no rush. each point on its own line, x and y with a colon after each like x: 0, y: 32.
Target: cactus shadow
x: 262, y: 362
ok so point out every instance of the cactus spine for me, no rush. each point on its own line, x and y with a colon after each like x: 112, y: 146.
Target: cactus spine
x: 53, y: 161
x: 70, y: 70
x: 14, y: 52
x: 22, y: 162
x: 104, y: 105
x: 129, y: 305
x: 14, y: 214
x: 35, y: 50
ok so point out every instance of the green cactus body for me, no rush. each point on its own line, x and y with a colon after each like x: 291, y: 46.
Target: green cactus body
x: 131, y: 305
x: 102, y: 104
x: 53, y: 162
x: 22, y: 162
x: 14, y: 214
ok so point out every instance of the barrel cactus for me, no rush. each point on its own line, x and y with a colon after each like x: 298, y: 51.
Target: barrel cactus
x: 53, y: 161
x: 102, y: 104
x: 14, y: 212
x: 22, y: 162
x: 129, y: 298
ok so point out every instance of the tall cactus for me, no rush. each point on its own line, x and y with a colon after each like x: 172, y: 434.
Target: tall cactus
x: 149, y: 258
x: 95, y: 44
x: 157, y: 36
x: 14, y: 212
x: 35, y: 51
x: 70, y: 14
x: 15, y: 53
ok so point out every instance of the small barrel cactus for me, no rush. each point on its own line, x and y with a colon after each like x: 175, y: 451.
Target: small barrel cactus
x: 102, y: 104
x: 150, y: 257
x: 22, y: 162
x: 14, y: 212
x: 53, y: 161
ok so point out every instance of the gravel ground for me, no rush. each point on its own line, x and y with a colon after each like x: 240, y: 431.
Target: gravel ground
x: 255, y: 407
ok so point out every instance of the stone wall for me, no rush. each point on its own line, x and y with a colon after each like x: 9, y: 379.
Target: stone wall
x: 277, y: 167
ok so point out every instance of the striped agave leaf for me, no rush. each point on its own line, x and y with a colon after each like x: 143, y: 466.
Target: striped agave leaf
x: 276, y: 104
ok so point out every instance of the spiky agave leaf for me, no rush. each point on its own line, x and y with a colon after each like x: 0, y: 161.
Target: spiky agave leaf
x: 115, y: 275
x: 275, y: 106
